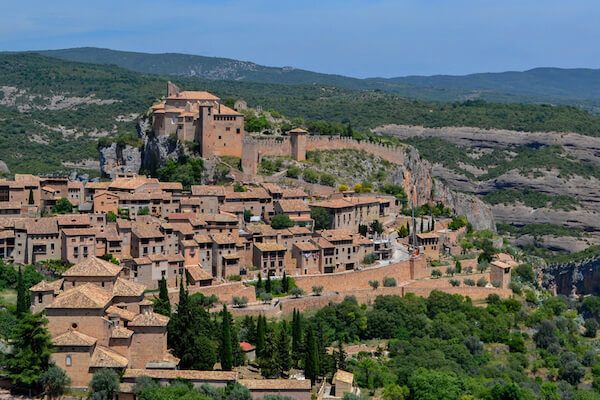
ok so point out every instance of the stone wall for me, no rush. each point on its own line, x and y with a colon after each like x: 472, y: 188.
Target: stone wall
x: 225, y: 292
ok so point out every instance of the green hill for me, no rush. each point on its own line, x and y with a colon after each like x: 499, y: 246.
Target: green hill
x: 580, y: 87
x: 52, y: 111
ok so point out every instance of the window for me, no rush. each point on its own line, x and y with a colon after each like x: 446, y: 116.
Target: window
x: 219, y: 137
x: 68, y: 361
x: 227, y: 129
x: 237, y: 130
x: 40, y: 298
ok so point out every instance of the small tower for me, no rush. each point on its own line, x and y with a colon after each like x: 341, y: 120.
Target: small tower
x: 298, y: 141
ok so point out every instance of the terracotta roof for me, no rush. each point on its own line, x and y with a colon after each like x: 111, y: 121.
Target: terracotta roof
x: 104, y: 357
x: 299, y: 230
x: 149, y: 319
x: 255, y: 193
x: 219, y: 218
x: 233, y: 256
x: 333, y: 203
x: 80, y: 232
x: 208, y: 190
x: 188, y: 243
x: 73, y: 219
x: 198, y: 273
x: 272, y: 187
x: 97, y: 185
x: 127, y: 288
x: 142, y: 261
x: 144, y: 230
x: 82, y: 296
x: 45, y: 286
x: 182, y: 374
x: 261, y: 229
x: 184, y: 228
x: 344, y: 376
x: 180, y: 217
x: 428, y: 235
x: 245, y: 346
x: 322, y: 243
x: 200, y: 238
x: 132, y: 183
x: 273, y: 384
x: 293, y: 206
x: 75, y: 185
x: 93, y: 266
x: 362, y: 200
x: 270, y: 247
x: 298, y: 130
x: 224, y: 110
x: 41, y: 226
x: 193, y: 95
x: 336, y: 234
x: 221, y: 238
x: 121, y: 333
x: 74, y: 338
x: 306, y: 246
x: 122, y: 313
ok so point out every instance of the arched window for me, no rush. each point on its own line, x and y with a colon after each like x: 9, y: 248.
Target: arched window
x: 68, y: 361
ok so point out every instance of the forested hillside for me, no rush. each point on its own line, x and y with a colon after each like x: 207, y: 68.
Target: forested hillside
x: 52, y: 111
x: 540, y: 85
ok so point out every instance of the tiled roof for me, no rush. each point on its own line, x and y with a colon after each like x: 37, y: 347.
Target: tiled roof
x: 208, y: 190
x: 193, y: 95
x: 323, y: 243
x: 333, y: 203
x: 272, y: 187
x: 82, y: 296
x: 224, y: 110
x: 104, y: 357
x: 121, y: 333
x: 182, y: 374
x: 198, y: 273
x: 337, y: 234
x: 41, y: 226
x: 45, y: 286
x: 293, y: 206
x: 298, y: 130
x: 149, y: 319
x: 73, y: 219
x: 306, y: 246
x: 221, y: 238
x: 273, y: 384
x: 219, y: 218
x: 80, y: 232
x: 144, y: 230
x: 270, y: 247
x: 428, y: 235
x: 299, y: 230
x: 74, y: 338
x: 127, y: 288
x: 255, y: 193
x: 122, y: 313
x: 200, y: 238
x: 93, y: 266
x: 261, y: 229
x: 298, y: 192
x: 344, y: 376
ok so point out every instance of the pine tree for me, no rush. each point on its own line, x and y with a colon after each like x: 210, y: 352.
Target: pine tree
x: 296, y: 336
x: 162, y: 305
x: 226, y: 346
x: 311, y: 356
x: 261, y: 331
x: 283, y: 348
x: 285, y: 283
x: 23, y: 299
x: 268, y: 284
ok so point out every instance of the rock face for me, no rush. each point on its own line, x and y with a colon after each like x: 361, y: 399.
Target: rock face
x: 117, y: 159
x: 4, y: 168
x: 416, y: 174
x: 574, y: 278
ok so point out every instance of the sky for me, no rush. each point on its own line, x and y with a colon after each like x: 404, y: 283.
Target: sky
x: 370, y: 38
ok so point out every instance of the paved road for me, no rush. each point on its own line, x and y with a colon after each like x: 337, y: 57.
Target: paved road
x: 400, y: 253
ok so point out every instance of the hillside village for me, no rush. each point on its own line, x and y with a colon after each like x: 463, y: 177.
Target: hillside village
x: 125, y: 238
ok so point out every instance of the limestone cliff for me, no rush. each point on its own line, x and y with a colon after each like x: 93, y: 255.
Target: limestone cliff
x: 116, y: 159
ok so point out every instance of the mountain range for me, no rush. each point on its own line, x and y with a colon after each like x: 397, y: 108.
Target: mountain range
x: 579, y: 87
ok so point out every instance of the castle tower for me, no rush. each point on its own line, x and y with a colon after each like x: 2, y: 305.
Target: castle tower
x: 172, y: 89
x: 298, y: 141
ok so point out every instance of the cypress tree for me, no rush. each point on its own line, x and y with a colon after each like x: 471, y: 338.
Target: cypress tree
x: 31, y: 201
x: 259, y: 282
x: 226, y: 347
x: 311, y: 356
x: 408, y: 227
x: 432, y: 223
x: 296, y: 336
x: 283, y: 348
x: 285, y: 284
x: 261, y: 331
x: 162, y: 305
x: 23, y: 300
x: 268, y: 284
x: 340, y: 357
x: 422, y: 225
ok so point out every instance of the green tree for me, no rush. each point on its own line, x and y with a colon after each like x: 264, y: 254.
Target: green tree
x: 458, y: 267
x: 293, y: 171
x: 261, y: 333
x: 54, y: 381
x: 321, y: 217
x: 509, y: 391
x: 285, y: 283
x: 296, y: 336
x: 143, y: 211
x: 268, y: 284
x: 281, y: 221
x: 591, y: 327
x: 377, y: 227
x: 104, y: 384
x: 427, y: 384
x: 282, y: 348
x: 31, y: 200
x: 23, y: 297
x: 247, y: 215
x: 226, y: 341
x: 32, y: 349
x: 186, y: 171
x: 311, y: 356
x: 394, y: 391
x: 111, y: 216
x: 162, y: 305
x: 62, y: 206
x: 340, y: 356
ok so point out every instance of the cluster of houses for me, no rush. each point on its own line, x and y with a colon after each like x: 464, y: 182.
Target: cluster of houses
x: 157, y: 230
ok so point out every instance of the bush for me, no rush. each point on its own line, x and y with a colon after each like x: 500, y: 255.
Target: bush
x: 293, y: 171
x: 481, y: 282
x: 240, y: 301
x: 266, y: 297
x: 469, y: 282
x: 317, y: 290
x: 436, y: 273
x: 281, y: 221
x: 297, y: 292
x: 55, y: 381
x: 310, y: 176
x: 104, y: 384
x: 62, y: 206
x: 374, y: 284
x: 591, y: 327
x: 389, y: 282
x: 327, y: 180
x: 454, y: 282
x: 369, y: 259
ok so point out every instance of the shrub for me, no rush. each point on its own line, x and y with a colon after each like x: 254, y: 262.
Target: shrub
x: 374, y: 284
x: 266, y: 297
x: 343, y: 188
x: 389, y: 282
x: 450, y: 271
x: 469, y: 282
x: 281, y: 221
x: 55, y: 381
x: 297, y: 292
x: 591, y: 327
x: 310, y: 175
x: 436, y: 273
x: 293, y: 171
x: 481, y: 282
x: 454, y: 282
x: 240, y: 301
x: 369, y: 259
x: 327, y: 180
x: 317, y: 290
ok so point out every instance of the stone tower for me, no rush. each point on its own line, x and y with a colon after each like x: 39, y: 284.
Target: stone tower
x: 298, y: 141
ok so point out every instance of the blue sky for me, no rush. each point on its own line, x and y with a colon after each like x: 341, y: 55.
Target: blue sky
x: 349, y: 37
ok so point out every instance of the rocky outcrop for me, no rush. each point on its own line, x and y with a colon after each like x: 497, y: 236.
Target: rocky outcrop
x: 116, y: 159
x: 4, y: 168
x: 477, y: 212
x: 582, y: 277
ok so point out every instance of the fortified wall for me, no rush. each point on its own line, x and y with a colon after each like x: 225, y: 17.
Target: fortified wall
x: 299, y: 142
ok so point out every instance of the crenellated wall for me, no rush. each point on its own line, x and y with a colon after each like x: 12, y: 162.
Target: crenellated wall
x: 255, y: 149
